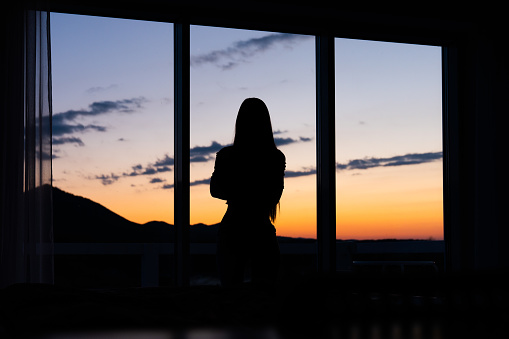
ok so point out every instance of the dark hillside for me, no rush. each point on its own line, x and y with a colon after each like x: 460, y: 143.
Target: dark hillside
x: 78, y: 219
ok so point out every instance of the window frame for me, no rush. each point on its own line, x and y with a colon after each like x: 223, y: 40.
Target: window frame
x: 325, y: 114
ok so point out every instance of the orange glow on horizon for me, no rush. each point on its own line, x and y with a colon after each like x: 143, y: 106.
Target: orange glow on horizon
x: 399, y: 203
x: 369, y: 204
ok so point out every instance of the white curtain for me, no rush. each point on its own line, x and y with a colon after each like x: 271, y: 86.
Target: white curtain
x: 26, y: 244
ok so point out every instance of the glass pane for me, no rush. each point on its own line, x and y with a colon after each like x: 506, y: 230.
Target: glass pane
x: 388, y: 141
x: 112, y: 144
x: 228, y: 66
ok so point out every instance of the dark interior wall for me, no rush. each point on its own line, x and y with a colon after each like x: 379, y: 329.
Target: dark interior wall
x: 483, y: 99
x: 477, y: 36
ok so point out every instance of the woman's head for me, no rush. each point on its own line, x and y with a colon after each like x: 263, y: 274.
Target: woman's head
x: 253, y: 127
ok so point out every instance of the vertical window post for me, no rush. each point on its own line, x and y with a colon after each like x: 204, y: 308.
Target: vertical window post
x: 455, y: 253
x: 326, y: 166
x: 182, y: 140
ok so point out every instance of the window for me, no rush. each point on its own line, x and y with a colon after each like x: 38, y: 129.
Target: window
x: 228, y: 66
x: 112, y: 138
x: 389, y: 174
x: 113, y: 128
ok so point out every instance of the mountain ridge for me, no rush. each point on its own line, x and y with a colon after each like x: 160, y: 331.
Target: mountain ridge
x: 77, y: 219
x: 80, y: 219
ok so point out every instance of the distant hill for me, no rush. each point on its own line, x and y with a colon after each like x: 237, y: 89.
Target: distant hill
x: 78, y: 219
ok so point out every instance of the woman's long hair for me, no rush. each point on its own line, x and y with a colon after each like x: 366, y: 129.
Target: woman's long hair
x: 253, y: 130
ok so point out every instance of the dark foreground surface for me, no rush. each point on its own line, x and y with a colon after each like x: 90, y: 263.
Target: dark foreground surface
x: 342, y: 306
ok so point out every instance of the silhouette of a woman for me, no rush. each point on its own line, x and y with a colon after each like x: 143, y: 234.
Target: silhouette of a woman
x: 249, y: 175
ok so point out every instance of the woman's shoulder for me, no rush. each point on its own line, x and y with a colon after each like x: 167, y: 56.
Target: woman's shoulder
x: 280, y: 155
x: 225, y: 150
x: 226, y: 153
x: 280, y: 159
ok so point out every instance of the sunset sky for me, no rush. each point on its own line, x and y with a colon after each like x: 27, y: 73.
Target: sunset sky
x: 113, y: 123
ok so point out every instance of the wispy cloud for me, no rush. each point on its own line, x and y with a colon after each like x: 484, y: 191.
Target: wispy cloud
x: 294, y: 174
x: 68, y: 140
x: 99, y: 89
x: 205, y: 153
x: 283, y: 141
x: 368, y: 163
x: 400, y: 160
x: 107, y: 179
x: 166, y: 163
x: 149, y: 169
x: 163, y: 164
x: 200, y: 182
x: 287, y: 141
x: 241, y: 51
x: 159, y: 166
x: 65, y: 122
x: 205, y: 181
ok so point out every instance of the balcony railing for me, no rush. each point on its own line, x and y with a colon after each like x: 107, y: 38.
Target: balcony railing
x: 150, y: 253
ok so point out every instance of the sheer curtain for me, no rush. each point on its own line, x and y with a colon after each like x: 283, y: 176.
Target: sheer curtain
x: 26, y: 243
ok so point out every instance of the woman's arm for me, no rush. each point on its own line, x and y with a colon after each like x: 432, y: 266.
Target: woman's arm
x: 218, y: 181
x: 279, y: 182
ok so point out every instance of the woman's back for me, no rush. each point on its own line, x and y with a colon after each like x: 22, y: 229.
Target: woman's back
x: 249, y: 181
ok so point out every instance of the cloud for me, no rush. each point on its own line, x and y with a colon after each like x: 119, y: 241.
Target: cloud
x: 163, y: 169
x: 65, y: 122
x: 367, y: 163
x: 150, y: 169
x: 204, y: 153
x: 200, y: 182
x: 241, y: 51
x: 107, y: 179
x: 287, y: 141
x: 205, y: 181
x: 283, y: 141
x: 294, y: 174
x: 68, y: 140
x: 62, y: 128
x: 165, y: 161
x: 400, y: 160
x: 98, y: 89
x: 197, y: 154
x: 161, y: 165
x: 164, y: 164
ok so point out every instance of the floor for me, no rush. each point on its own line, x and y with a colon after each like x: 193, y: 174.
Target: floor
x: 342, y: 306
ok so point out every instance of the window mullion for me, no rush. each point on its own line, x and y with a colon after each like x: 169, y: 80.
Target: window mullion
x: 326, y: 167
x: 455, y: 257
x: 182, y: 141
